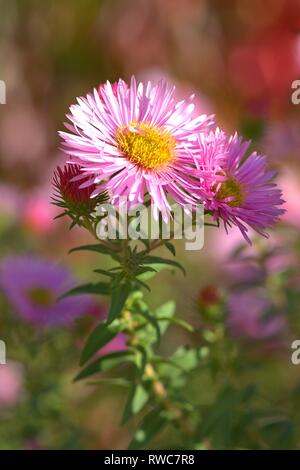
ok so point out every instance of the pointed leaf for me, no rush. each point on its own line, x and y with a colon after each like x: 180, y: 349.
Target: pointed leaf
x: 105, y: 363
x: 104, y: 272
x: 158, y: 260
x: 152, y: 423
x: 165, y: 312
x: 101, y: 335
x: 99, y: 288
x: 137, y: 399
x: 104, y: 250
x: 143, y: 284
x: 151, y: 318
x: 171, y: 248
x: 147, y: 273
x: 119, y: 297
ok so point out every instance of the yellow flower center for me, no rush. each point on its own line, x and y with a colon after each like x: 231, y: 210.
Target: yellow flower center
x: 231, y: 188
x: 41, y: 296
x: 145, y: 145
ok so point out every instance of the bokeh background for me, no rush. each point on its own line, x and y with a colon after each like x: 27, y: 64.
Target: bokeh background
x: 240, y: 57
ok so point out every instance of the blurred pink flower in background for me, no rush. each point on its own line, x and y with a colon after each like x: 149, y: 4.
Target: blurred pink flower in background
x: 38, y: 212
x: 118, y: 343
x: 220, y: 244
x: 11, y: 384
x: 247, y: 315
x: 289, y: 182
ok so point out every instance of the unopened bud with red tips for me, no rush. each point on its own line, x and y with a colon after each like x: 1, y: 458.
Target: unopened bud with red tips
x: 208, y: 295
x: 210, y: 304
x: 73, y: 192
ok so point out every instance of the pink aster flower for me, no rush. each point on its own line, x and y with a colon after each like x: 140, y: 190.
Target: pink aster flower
x: 33, y: 286
x: 136, y: 139
x: 236, y: 189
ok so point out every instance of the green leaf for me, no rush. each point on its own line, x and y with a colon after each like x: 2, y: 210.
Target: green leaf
x: 165, y: 311
x: 158, y: 260
x: 145, y: 269
x: 104, y: 250
x: 105, y: 363
x: 137, y: 399
x: 119, y: 297
x: 104, y: 272
x: 141, y: 358
x: 279, y: 433
x: 143, y: 284
x: 171, y: 248
x: 152, y: 423
x: 147, y: 272
x: 176, y: 368
x: 118, y: 382
x: 101, y: 335
x: 186, y: 358
x: 151, y: 318
x: 183, y: 324
x: 217, y: 422
x: 99, y: 288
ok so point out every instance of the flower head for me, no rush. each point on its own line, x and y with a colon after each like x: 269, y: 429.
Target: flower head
x: 239, y: 190
x: 33, y: 286
x: 133, y: 140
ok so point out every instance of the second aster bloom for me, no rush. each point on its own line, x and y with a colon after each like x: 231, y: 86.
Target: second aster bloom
x: 133, y: 140
x: 237, y: 189
x: 33, y: 287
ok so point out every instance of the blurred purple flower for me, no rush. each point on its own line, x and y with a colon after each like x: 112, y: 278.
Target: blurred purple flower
x: 11, y: 384
x: 243, y: 271
x: 33, y: 286
x: 247, y: 319
x: 282, y: 140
